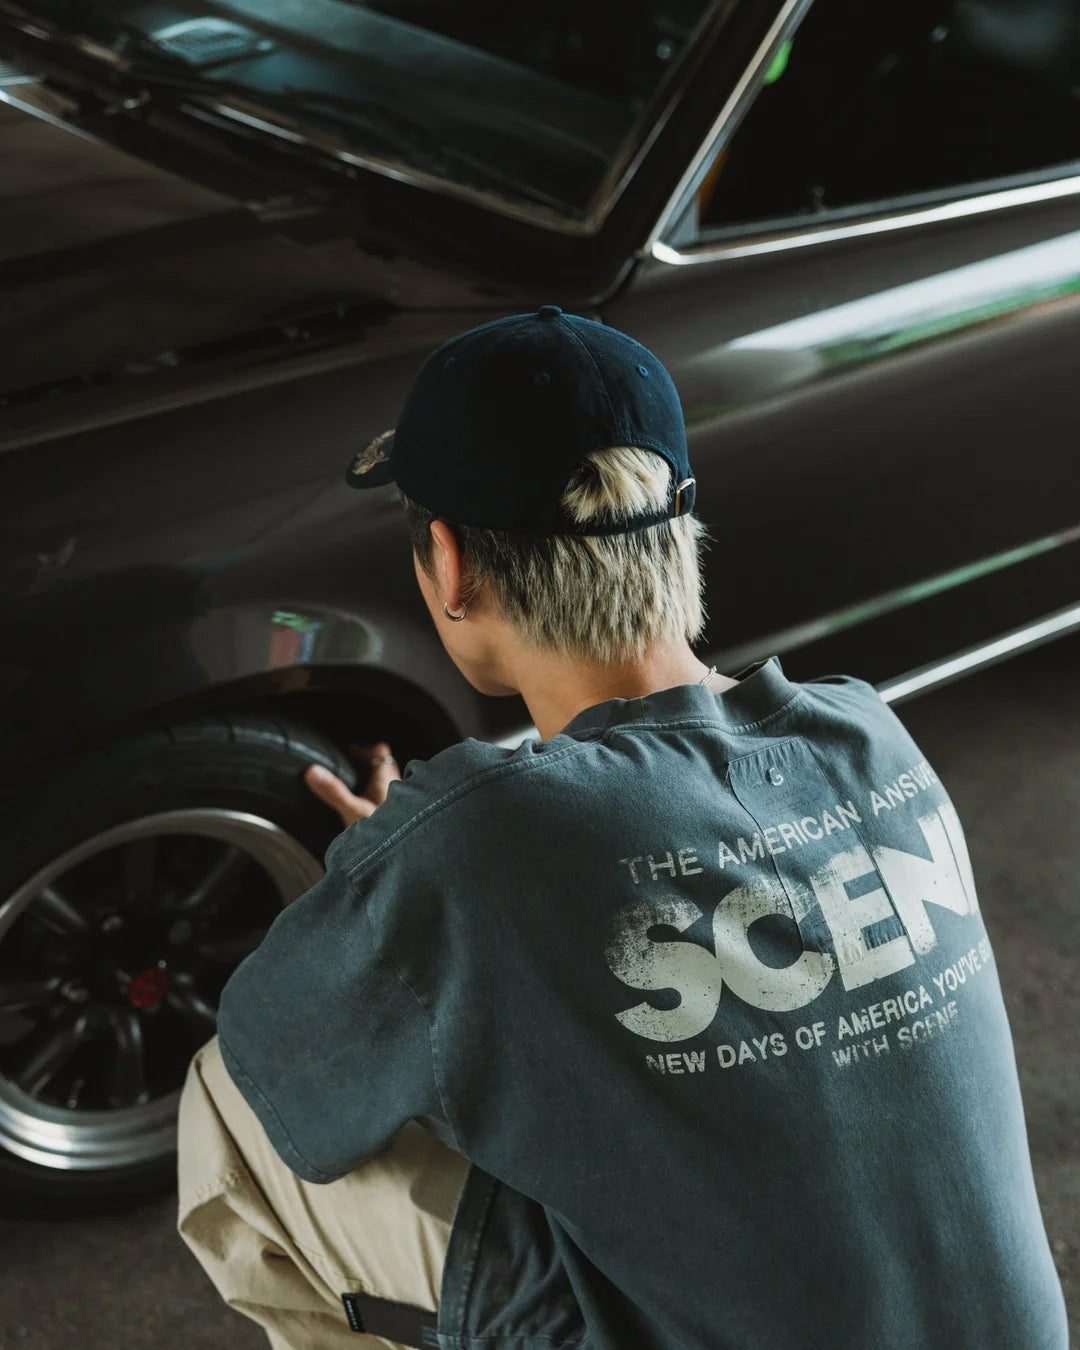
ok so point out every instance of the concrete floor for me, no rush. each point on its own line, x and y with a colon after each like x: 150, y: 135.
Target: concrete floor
x: 1006, y: 744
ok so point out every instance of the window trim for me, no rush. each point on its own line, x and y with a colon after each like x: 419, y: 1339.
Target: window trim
x: 857, y: 222
x: 730, y: 114
x: 753, y: 244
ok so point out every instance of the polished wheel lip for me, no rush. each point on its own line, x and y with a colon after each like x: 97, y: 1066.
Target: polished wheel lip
x: 73, y: 1140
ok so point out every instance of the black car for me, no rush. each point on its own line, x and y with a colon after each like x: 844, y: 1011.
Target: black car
x: 232, y: 231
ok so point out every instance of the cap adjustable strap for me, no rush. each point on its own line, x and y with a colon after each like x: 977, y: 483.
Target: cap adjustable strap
x: 683, y: 504
x: 685, y: 495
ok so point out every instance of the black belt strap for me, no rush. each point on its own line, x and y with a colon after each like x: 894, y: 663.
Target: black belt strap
x: 399, y: 1322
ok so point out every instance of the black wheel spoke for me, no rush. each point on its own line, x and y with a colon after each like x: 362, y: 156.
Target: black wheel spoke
x: 22, y: 995
x: 112, y: 961
x: 58, y: 912
x: 140, y: 859
x: 184, y: 999
x: 127, y: 1086
x: 50, y: 1049
x: 204, y: 892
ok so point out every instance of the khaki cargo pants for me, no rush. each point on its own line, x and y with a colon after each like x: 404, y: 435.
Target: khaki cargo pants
x: 283, y: 1251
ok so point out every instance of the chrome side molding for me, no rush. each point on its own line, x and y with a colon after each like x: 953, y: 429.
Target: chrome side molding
x: 923, y: 679
x: 751, y: 245
x: 971, y: 659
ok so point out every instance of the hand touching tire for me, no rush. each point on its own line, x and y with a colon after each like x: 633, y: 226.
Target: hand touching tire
x: 350, y: 807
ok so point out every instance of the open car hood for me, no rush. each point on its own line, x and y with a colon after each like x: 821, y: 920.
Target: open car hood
x: 525, y: 148
x: 332, y: 86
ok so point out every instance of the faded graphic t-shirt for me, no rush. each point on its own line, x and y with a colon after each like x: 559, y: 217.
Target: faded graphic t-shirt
x: 705, y: 977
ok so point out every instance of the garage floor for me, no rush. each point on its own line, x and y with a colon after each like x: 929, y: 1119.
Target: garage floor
x: 1006, y: 744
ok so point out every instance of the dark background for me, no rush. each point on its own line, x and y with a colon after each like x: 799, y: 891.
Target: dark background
x: 1006, y: 745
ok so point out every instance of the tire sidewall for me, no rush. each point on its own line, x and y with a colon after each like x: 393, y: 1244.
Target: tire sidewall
x: 242, y: 765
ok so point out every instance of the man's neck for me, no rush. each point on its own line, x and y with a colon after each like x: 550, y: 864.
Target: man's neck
x: 557, y: 688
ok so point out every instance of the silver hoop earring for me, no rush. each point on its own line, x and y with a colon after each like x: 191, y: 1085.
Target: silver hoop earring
x: 457, y: 618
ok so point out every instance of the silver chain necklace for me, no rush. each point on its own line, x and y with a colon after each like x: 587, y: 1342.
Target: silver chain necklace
x: 708, y: 677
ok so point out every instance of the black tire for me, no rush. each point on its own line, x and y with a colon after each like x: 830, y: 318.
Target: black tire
x: 249, y: 763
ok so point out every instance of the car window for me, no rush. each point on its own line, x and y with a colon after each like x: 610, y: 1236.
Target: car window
x: 538, y: 104
x: 899, y: 100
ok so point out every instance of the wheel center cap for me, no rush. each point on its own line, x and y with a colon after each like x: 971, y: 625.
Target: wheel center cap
x: 148, y: 987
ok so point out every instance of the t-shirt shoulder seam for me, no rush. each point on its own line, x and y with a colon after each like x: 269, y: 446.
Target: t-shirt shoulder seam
x: 587, y: 737
x: 452, y: 794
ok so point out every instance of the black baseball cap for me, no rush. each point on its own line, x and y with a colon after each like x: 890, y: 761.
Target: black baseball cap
x: 499, y: 416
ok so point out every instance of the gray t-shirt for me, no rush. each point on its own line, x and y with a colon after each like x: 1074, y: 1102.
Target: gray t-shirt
x: 704, y: 979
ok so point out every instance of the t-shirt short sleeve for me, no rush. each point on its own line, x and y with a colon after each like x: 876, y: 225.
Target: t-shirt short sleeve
x: 323, y: 1028
x: 328, y: 1044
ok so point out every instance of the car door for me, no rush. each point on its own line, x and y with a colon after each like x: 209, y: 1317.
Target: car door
x: 868, y: 291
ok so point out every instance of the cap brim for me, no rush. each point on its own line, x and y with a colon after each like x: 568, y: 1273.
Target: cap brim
x: 373, y: 466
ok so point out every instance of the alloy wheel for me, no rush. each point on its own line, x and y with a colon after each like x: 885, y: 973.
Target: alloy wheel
x: 112, y: 960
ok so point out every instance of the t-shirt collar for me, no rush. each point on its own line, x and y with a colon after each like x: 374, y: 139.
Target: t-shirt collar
x: 762, y: 689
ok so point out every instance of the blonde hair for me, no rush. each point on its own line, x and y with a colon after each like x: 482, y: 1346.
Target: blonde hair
x: 602, y: 598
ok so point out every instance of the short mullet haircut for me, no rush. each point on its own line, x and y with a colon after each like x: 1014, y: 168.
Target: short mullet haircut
x: 601, y: 598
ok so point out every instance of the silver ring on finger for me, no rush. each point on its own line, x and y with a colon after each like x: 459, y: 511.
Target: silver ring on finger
x: 382, y: 759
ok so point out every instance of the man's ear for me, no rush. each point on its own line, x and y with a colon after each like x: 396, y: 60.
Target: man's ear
x: 446, y: 560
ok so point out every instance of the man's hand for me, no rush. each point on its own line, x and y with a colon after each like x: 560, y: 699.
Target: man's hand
x: 329, y: 788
